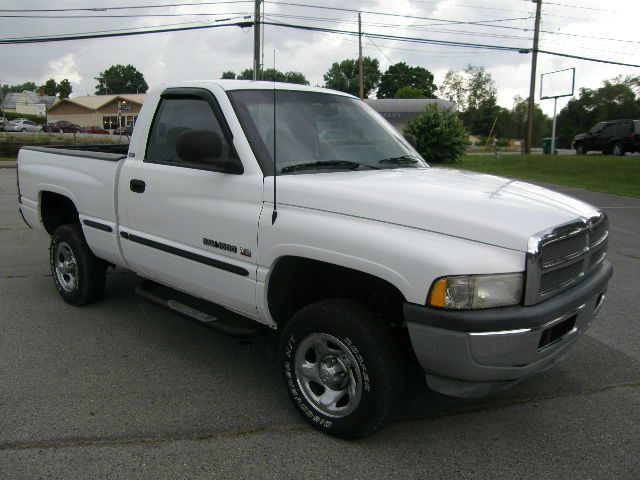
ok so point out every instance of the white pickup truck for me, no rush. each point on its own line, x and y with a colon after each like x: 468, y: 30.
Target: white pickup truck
x: 352, y: 245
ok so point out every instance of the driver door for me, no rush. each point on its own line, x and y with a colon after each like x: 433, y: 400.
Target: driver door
x: 187, y: 225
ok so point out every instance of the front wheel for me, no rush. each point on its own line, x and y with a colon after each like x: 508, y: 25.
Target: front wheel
x: 580, y: 150
x: 341, y: 367
x: 78, y: 274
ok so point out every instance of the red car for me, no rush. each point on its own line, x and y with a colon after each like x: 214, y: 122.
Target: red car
x: 96, y: 130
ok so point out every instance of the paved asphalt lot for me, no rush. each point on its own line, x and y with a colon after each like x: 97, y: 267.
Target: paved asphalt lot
x: 122, y: 389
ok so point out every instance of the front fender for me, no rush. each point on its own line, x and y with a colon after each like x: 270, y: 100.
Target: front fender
x: 408, y: 258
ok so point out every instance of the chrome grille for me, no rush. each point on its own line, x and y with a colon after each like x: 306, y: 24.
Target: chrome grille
x: 565, y: 249
x: 549, y: 281
x: 563, y: 256
x: 599, y: 230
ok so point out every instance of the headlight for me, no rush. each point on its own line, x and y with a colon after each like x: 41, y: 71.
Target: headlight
x: 477, y: 291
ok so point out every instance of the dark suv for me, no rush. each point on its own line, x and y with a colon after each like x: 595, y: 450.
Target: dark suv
x: 614, y: 136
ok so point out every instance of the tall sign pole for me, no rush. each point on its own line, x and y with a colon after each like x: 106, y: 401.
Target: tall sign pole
x: 361, y: 66
x: 532, y: 86
x: 256, y: 39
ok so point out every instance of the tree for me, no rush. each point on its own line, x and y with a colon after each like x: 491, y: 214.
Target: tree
x: 454, y: 89
x: 50, y: 87
x: 345, y: 76
x: 19, y: 88
x: 513, y: 123
x: 615, y: 99
x: 440, y: 134
x: 409, y: 92
x: 274, y: 75
x: 400, y: 76
x: 228, y: 75
x: 64, y: 89
x: 121, y: 79
x: 474, y: 93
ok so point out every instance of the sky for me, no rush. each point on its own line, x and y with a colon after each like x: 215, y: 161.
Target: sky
x: 604, y: 30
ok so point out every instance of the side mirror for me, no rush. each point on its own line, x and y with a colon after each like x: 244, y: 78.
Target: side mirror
x: 412, y: 140
x: 205, y: 147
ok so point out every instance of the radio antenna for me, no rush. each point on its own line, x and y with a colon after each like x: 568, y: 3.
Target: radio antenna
x: 274, y: 215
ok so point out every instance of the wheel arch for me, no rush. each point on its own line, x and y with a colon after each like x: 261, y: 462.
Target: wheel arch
x: 297, y: 281
x: 56, y: 209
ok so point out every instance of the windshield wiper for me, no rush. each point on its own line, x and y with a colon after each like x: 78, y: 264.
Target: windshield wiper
x: 326, y: 164
x: 402, y: 160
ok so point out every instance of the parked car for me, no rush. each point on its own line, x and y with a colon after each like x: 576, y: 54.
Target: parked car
x: 613, y: 136
x: 369, y: 253
x: 62, y: 126
x: 22, y: 125
x: 128, y: 131
x: 95, y: 130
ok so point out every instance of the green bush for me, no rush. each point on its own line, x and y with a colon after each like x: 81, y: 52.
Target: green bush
x: 39, y: 119
x: 440, y: 135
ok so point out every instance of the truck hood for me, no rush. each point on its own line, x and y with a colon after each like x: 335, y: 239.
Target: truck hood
x: 477, y: 207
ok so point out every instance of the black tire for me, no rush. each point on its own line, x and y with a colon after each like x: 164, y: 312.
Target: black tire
x: 85, y: 275
x: 61, y: 131
x: 580, y: 149
x: 618, y: 149
x: 24, y: 130
x: 371, y: 355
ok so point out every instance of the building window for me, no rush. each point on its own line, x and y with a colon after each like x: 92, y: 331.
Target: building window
x: 110, y: 123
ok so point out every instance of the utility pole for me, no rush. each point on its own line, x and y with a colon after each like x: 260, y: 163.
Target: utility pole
x: 361, y: 66
x: 256, y: 39
x: 532, y: 85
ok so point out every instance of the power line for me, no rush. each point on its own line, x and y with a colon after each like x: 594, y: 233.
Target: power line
x: 140, y: 15
x: 428, y: 41
x: 482, y: 23
x: 92, y: 35
x: 589, y: 59
x: 104, y: 9
x: 416, y: 27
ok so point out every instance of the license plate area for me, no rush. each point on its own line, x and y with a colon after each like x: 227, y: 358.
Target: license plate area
x: 557, y: 332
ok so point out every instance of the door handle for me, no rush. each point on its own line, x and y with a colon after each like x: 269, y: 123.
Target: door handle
x: 137, y: 186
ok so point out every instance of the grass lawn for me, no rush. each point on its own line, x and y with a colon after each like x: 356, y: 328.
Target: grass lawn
x: 599, y: 173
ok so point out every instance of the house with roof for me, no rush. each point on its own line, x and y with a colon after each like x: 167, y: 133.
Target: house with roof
x: 29, y: 103
x: 99, y: 110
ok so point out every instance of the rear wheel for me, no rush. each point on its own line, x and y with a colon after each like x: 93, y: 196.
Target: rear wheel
x: 78, y: 274
x: 24, y: 130
x: 341, y: 367
x: 617, y: 149
x: 61, y: 131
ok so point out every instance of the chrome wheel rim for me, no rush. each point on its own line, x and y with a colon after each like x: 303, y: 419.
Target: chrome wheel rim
x: 328, y: 375
x: 617, y: 149
x: 66, y: 267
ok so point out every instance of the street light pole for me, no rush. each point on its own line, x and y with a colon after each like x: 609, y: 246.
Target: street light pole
x: 532, y: 85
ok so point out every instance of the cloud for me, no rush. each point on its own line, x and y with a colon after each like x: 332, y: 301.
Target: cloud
x: 65, y: 67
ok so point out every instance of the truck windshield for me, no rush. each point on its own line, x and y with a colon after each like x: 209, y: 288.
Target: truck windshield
x: 319, y: 132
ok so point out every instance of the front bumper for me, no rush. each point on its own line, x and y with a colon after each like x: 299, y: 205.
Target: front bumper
x: 473, y: 353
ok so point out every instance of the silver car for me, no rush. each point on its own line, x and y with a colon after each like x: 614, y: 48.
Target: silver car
x: 22, y: 125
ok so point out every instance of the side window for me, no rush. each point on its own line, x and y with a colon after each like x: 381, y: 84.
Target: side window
x: 609, y: 129
x: 174, y: 117
x: 624, y: 129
